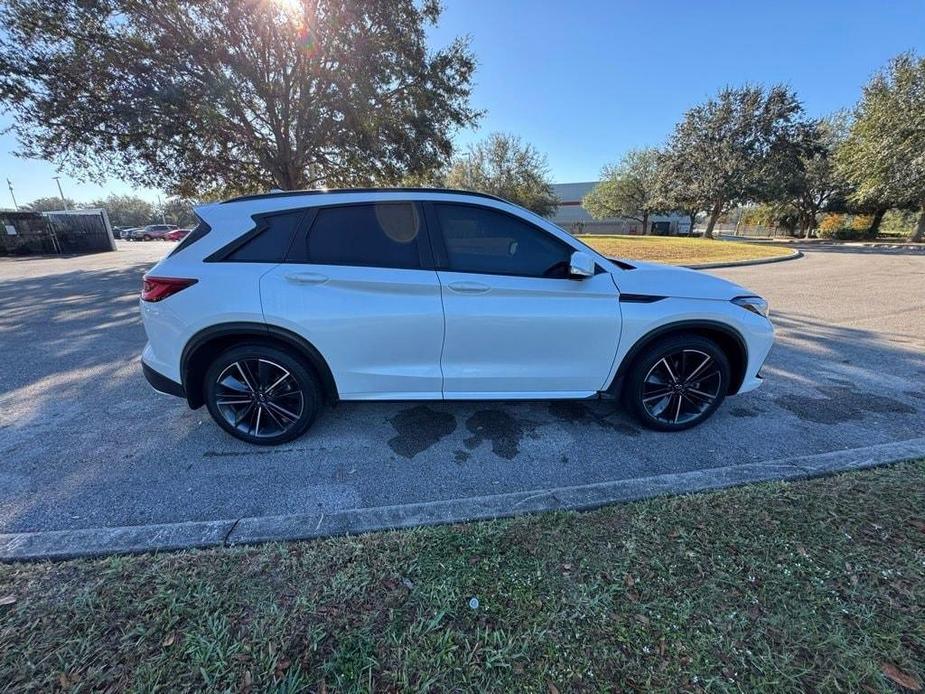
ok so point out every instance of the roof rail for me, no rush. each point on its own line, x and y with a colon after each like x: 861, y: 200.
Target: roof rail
x: 288, y: 193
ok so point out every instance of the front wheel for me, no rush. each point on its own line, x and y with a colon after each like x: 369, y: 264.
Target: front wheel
x: 678, y: 383
x: 261, y: 395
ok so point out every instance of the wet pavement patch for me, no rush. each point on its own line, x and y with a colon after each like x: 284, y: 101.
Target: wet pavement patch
x: 504, y: 431
x: 418, y: 429
x: 575, y: 411
x: 841, y: 404
x: 743, y: 412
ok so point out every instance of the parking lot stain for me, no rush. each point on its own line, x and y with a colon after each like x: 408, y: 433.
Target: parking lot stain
x: 500, y: 428
x: 743, y: 412
x: 418, y: 429
x: 574, y: 411
x: 841, y: 404
x: 918, y: 395
x: 461, y: 456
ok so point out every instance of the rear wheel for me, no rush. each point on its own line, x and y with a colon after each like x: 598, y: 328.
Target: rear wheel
x: 678, y: 383
x: 146, y: 238
x: 261, y: 395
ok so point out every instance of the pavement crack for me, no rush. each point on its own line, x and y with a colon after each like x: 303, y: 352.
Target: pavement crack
x: 234, y: 525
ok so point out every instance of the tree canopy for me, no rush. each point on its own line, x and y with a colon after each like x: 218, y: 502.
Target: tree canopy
x: 505, y: 166
x: 628, y: 189
x: 192, y: 95
x: 52, y: 203
x: 737, y: 147
x: 884, y: 153
x: 126, y: 210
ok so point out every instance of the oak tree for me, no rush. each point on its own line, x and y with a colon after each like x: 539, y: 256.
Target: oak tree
x: 233, y: 95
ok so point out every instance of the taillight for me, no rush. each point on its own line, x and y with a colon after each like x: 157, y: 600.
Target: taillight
x: 159, y: 288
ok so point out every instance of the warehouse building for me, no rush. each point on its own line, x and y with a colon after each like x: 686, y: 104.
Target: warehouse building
x: 570, y: 215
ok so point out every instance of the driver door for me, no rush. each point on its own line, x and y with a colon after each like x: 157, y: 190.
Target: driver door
x: 517, y: 326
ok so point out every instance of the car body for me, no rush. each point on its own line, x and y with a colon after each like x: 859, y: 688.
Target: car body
x: 176, y: 234
x: 153, y: 232
x: 423, y: 294
x: 126, y: 234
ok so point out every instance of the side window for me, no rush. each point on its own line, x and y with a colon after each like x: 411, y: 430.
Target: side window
x: 271, y: 242
x: 489, y: 242
x: 368, y: 235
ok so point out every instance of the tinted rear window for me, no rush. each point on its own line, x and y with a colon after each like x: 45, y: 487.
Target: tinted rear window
x: 271, y: 241
x: 369, y: 235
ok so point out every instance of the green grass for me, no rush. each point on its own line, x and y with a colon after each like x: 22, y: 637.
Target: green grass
x: 816, y: 585
x: 680, y: 250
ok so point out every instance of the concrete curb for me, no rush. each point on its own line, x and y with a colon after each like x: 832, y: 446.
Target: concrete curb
x: 87, y: 542
x: 794, y: 254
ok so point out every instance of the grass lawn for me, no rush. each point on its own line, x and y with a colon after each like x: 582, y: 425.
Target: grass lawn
x: 680, y: 250
x: 816, y: 585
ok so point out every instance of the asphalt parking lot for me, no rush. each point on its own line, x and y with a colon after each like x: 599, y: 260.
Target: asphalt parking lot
x: 85, y: 443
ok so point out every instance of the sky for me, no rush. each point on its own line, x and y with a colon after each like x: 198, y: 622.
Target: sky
x: 585, y: 81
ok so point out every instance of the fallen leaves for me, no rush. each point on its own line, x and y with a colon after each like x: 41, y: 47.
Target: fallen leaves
x: 7, y: 600
x: 903, y: 679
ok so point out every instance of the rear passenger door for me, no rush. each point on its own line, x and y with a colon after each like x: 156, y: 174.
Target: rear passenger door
x: 358, y: 283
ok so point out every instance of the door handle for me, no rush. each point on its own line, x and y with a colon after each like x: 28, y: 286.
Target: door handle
x: 469, y: 287
x: 306, y: 278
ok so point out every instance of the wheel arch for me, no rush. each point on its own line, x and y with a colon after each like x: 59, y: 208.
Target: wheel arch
x: 202, y: 347
x: 728, y: 338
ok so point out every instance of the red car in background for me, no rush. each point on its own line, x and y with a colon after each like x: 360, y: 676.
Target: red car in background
x: 176, y: 234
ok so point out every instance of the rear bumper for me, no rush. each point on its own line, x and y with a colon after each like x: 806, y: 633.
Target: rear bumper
x: 161, y: 383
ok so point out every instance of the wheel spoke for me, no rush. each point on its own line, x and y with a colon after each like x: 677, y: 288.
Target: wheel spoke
x: 277, y: 382
x: 671, y: 375
x: 245, y: 379
x: 244, y: 401
x: 282, y: 410
x: 657, y: 396
x: 700, y: 368
x: 257, y: 428
x: 242, y: 415
x: 677, y: 412
x: 706, y: 396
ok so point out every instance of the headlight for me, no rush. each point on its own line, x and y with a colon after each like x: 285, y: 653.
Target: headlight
x: 755, y: 304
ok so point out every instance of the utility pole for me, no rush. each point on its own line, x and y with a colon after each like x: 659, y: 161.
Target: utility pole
x: 160, y: 206
x: 10, y: 184
x: 60, y: 192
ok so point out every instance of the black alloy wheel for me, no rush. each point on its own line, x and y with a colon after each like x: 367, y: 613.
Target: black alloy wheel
x: 262, y: 395
x: 679, y: 383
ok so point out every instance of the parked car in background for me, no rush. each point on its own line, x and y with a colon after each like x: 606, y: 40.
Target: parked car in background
x: 278, y: 303
x: 126, y: 234
x: 153, y: 232
x: 177, y: 234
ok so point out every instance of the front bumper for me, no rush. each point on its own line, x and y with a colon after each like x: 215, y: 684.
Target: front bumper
x: 161, y: 383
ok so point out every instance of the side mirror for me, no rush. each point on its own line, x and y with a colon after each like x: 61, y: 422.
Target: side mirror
x: 581, y: 265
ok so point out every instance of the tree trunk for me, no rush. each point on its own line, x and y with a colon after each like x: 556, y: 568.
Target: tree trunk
x: 714, y: 215
x: 919, y: 234
x: 693, y: 216
x: 645, y: 223
x: 874, y: 227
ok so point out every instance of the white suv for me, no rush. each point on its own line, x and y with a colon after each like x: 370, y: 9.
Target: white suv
x: 276, y: 303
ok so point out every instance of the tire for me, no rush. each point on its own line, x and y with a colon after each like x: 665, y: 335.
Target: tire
x: 269, y: 406
x: 145, y: 238
x: 678, y: 382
